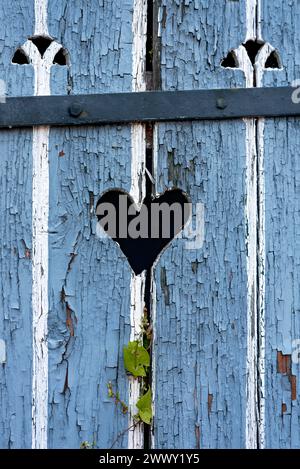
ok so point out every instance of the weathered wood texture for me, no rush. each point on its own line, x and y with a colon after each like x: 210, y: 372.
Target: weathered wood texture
x: 201, y: 295
x: 225, y: 314
x: 89, y: 279
x: 15, y: 238
x: 281, y: 140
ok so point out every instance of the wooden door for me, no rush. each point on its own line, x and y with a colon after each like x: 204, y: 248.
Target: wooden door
x: 221, y: 299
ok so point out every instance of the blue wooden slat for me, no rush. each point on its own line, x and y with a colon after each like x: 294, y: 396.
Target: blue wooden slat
x: 93, y: 274
x: 15, y: 238
x: 280, y: 27
x: 201, y: 295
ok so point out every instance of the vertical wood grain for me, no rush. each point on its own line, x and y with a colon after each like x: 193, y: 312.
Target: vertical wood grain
x: 226, y: 315
x: 40, y: 214
x: 280, y: 27
x: 89, y: 279
x: 137, y: 192
x: 202, y: 315
x: 15, y: 237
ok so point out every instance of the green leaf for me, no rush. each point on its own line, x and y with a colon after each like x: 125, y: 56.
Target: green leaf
x: 144, y: 405
x: 86, y: 445
x: 136, y: 359
x: 110, y: 389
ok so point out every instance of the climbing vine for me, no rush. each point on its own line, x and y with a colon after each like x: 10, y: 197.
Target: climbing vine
x: 137, y: 362
x: 116, y: 397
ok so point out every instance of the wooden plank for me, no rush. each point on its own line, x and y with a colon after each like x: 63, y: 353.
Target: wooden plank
x: 92, y: 311
x: 280, y: 181
x: 204, y: 348
x: 15, y: 238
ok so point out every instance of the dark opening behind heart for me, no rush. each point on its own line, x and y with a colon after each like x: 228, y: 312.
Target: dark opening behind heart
x: 142, y: 252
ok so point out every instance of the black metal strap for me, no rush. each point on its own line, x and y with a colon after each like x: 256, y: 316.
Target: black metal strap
x: 153, y: 106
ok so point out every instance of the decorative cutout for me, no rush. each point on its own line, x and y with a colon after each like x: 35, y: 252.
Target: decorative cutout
x: 142, y: 233
x: 255, y: 50
x: 61, y: 57
x: 273, y: 60
x: 25, y: 55
x: 230, y: 61
x: 20, y: 57
x: 252, y: 48
x: 41, y: 43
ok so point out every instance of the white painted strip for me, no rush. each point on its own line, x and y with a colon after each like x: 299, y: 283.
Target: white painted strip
x: 40, y: 209
x: 40, y: 213
x: 251, y: 240
x: 138, y: 161
x: 261, y: 287
x: 262, y: 56
x: 255, y: 219
x: 137, y: 291
x: 251, y: 11
x: 251, y: 216
x: 139, y: 29
x: 137, y: 191
x: 2, y: 352
x: 41, y: 24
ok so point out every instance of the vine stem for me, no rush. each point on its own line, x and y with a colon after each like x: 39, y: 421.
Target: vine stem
x: 123, y: 433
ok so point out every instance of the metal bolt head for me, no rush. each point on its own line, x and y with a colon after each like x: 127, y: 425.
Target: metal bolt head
x: 75, y: 110
x: 221, y: 103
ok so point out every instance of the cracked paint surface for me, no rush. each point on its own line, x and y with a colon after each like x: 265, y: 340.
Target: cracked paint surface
x: 282, y: 225
x: 15, y: 239
x: 90, y: 323
x: 201, y: 295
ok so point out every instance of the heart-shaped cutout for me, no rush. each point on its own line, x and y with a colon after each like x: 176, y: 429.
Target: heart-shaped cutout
x: 143, y: 232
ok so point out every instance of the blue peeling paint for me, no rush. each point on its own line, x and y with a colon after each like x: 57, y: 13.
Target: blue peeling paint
x: 15, y: 238
x: 89, y: 279
x: 280, y: 27
x: 201, y: 312
x: 201, y: 319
